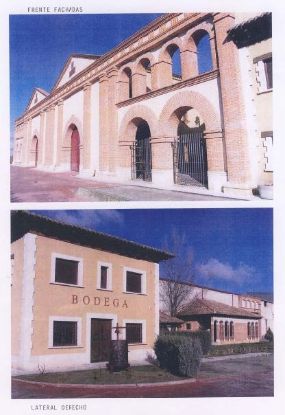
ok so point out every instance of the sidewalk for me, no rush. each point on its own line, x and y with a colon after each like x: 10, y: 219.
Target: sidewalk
x: 31, y: 185
x: 251, y: 376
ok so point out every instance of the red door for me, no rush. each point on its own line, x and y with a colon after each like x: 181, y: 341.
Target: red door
x: 75, y: 154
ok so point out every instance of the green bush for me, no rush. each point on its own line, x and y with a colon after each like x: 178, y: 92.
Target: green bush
x: 204, y: 336
x: 269, y: 335
x: 241, y: 348
x: 180, y: 355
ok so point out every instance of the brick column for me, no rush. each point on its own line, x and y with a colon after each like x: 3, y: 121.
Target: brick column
x: 189, y: 65
x: 49, y: 136
x: 28, y: 142
x: 112, y: 119
x: 41, y: 138
x: 103, y: 124
x: 139, y: 83
x: 213, y: 51
x: 237, y: 156
x: 59, y: 133
x: 161, y: 74
x: 25, y: 143
x: 86, y: 126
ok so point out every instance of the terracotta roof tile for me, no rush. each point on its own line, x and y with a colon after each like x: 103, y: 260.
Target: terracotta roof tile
x: 208, y: 307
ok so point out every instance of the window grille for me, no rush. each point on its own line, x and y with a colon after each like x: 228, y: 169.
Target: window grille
x: 134, y: 332
x: 64, y: 333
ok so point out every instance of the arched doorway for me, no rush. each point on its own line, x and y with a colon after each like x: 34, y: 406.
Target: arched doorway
x: 141, y: 152
x: 75, y: 150
x: 35, y: 149
x: 190, y: 153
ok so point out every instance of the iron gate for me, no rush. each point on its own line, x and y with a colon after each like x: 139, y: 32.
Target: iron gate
x: 141, y: 159
x: 190, y: 159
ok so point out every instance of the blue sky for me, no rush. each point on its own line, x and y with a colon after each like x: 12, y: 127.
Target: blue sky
x: 231, y: 248
x: 41, y: 44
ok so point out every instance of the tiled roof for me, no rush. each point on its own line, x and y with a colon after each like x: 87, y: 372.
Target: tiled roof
x: 208, y: 307
x: 23, y: 222
x: 165, y: 318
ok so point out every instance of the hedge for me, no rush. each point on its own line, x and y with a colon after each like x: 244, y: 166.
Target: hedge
x: 240, y: 348
x: 180, y: 355
x: 204, y: 336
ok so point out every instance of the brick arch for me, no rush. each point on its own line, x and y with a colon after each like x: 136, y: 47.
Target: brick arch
x: 136, y: 65
x: 164, y: 55
x: 73, y: 120
x: 129, y: 122
x: 189, y: 38
x: 129, y: 65
x: 169, y: 121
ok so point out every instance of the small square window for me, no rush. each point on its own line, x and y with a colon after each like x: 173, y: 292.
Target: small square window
x: 133, y: 282
x: 188, y: 326
x: 66, y: 271
x: 64, y: 333
x: 134, y: 332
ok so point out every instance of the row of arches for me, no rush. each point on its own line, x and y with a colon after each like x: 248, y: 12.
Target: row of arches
x: 223, y: 331
x: 72, y: 141
x: 175, y: 62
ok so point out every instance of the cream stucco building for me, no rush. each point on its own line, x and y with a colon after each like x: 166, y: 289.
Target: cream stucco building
x: 70, y: 288
x: 127, y: 116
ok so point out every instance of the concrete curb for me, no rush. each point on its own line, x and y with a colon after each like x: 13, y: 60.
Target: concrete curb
x: 105, y: 386
x: 234, y: 356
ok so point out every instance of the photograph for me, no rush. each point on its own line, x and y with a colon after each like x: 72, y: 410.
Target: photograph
x: 176, y: 307
x: 170, y: 106
x: 142, y: 207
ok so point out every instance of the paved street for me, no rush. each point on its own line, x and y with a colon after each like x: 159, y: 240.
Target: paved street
x: 237, y: 377
x: 31, y: 185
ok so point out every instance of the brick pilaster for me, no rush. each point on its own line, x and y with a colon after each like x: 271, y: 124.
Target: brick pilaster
x: 233, y: 111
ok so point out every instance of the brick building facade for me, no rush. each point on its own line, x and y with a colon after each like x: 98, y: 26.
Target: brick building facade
x: 230, y: 317
x: 127, y: 115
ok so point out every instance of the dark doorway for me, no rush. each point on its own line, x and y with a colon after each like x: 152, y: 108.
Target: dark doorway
x: 75, y: 151
x: 100, y: 340
x: 141, y: 153
x: 190, y: 156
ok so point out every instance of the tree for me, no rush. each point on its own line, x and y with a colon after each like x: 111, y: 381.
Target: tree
x: 175, y: 286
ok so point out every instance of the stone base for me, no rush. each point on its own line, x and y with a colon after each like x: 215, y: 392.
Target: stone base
x: 162, y: 177
x: 238, y: 191
x: 216, y: 180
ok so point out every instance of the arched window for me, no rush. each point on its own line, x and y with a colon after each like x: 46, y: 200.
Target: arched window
x: 204, y: 54
x: 221, y: 334
x: 126, y: 88
x: 252, y: 331
x: 174, y: 53
x: 232, y: 330
x: 145, y: 64
x: 227, y: 330
x: 256, y: 330
x: 249, y: 330
x: 215, y: 331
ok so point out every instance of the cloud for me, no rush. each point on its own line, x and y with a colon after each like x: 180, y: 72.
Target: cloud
x: 215, y: 269
x: 87, y: 218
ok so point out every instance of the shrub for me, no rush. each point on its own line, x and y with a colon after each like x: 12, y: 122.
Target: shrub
x: 269, y: 335
x: 241, y: 348
x: 180, y: 355
x: 204, y: 336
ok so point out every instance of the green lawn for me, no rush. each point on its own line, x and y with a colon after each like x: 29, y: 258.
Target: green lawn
x: 135, y: 374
